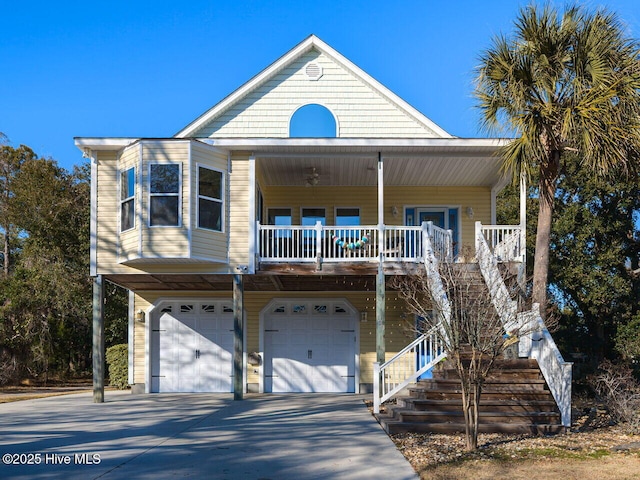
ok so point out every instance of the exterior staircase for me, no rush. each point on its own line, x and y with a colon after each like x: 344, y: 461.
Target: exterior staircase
x: 530, y: 392
x: 515, y: 399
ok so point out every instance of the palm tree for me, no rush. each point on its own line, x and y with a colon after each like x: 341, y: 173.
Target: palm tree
x: 565, y: 83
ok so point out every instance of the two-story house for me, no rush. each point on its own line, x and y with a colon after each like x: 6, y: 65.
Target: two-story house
x: 257, y: 242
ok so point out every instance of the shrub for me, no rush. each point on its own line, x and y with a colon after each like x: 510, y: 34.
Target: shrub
x: 620, y: 392
x: 118, y: 363
x: 628, y: 339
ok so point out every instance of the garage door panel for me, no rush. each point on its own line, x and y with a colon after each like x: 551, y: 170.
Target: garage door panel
x: 192, y: 350
x: 312, y: 353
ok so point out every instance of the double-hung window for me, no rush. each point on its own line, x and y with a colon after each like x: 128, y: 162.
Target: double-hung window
x: 210, y: 191
x: 127, y: 199
x: 164, y: 194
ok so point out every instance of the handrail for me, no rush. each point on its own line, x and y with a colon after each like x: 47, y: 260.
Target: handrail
x: 438, y: 292
x: 504, y: 305
x: 406, y: 366
x: 555, y: 370
x: 535, y: 340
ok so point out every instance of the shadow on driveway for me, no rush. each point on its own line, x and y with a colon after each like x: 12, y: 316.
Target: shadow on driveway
x: 295, y: 436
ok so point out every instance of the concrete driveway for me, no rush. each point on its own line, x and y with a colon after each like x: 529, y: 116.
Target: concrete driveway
x: 264, y: 437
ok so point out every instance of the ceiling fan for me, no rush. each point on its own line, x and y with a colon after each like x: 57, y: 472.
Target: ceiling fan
x: 313, y: 179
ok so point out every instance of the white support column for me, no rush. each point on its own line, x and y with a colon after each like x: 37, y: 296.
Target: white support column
x: 522, y: 271
x: 523, y: 214
x: 494, y: 196
x: 380, y: 190
x: 93, y: 219
x: 380, y: 207
x: 253, y: 234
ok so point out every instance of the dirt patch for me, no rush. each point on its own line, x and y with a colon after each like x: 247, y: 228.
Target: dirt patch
x: 29, y: 390
x: 605, y: 452
x: 593, y: 449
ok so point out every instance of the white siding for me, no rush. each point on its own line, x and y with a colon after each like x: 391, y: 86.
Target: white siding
x: 206, y: 244
x: 360, y: 109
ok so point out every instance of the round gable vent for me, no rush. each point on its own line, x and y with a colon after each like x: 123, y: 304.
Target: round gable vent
x: 313, y: 71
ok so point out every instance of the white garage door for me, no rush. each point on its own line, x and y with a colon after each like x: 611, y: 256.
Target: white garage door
x: 192, y: 347
x: 309, y: 347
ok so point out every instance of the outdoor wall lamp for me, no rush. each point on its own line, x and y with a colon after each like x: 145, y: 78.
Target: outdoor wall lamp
x: 394, y: 211
x: 140, y: 316
x: 469, y: 212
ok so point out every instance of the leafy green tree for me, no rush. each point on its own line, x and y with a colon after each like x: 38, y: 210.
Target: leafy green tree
x: 564, y: 83
x: 595, y: 246
x: 11, y: 161
x: 46, y: 306
x: 593, y: 259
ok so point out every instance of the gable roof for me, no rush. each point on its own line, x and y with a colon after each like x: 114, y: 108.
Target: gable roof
x: 306, y: 46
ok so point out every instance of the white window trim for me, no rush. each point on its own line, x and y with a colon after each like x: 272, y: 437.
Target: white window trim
x: 279, y: 208
x: 335, y: 215
x: 125, y: 200
x: 313, y: 208
x: 220, y: 200
x: 179, y: 195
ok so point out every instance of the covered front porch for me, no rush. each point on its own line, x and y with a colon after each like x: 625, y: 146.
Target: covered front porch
x: 323, y: 244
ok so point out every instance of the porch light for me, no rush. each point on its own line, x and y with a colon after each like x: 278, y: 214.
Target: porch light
x: 140, y: 316
x: 469, y: 212
x: 394, y: 211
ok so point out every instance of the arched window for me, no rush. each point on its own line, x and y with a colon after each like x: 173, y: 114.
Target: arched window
x: 312, y: 121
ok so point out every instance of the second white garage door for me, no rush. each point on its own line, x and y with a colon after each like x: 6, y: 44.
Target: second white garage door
x: 310, y: 347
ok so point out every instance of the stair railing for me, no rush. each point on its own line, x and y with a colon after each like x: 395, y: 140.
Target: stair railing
x: 556, y: 372
x: 488, y: 263
x: 427, y: 350
x: 535, y: 340
x: 406, y: 366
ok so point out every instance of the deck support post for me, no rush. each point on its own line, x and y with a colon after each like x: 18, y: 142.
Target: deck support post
x: 238, y: 337
x: 380, y: 315
x: 380, y: 283
x: 98, y: 339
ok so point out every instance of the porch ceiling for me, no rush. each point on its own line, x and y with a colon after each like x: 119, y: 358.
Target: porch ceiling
x: 353, y: 162
x: 341, y: 170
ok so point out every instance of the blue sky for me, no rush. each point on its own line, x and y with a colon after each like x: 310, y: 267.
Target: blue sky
x: 147, y: 68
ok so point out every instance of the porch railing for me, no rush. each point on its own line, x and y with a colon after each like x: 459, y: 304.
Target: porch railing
x: 365, y: 243
x: 504, y: 241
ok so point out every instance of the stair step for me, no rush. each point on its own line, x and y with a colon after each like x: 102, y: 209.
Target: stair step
x: 488, y: 382
x: 394, y: 426
x: 456, y: 395
x: 507, y: 388
x: 532, y: 373
x: 497, y: 405
x: 412, y: 416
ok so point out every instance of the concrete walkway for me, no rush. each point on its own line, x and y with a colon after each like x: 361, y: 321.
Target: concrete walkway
x: 208, y: 436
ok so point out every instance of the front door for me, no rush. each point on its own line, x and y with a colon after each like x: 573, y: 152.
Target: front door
x: 446, y: 218
x: 438, y: 217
